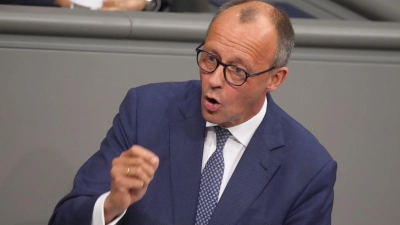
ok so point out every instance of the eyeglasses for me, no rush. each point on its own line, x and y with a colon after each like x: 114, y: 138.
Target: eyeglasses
x: 233, y: 74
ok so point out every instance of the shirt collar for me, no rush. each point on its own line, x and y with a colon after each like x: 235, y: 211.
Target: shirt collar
x: 244, y: 131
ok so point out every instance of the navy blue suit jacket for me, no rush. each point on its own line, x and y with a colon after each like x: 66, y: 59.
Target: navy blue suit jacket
x: 285, y: 175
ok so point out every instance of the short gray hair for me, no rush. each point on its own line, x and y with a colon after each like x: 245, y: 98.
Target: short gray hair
x: 278, y: 18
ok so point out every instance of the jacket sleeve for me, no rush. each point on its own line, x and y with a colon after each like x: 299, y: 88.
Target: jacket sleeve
x: 314, y: 206
x: 93, y: 178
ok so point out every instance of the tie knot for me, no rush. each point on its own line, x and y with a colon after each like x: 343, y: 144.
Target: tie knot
x: 222, y: 135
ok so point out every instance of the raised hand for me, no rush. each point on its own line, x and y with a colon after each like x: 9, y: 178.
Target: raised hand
x: 131, y: 174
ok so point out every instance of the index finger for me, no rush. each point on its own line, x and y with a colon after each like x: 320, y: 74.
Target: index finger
x: 143, y: 153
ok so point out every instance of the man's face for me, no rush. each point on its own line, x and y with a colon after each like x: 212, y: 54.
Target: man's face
x: 251, y: 46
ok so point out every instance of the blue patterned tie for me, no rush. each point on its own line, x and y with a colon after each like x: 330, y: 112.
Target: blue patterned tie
x: 211, y: 179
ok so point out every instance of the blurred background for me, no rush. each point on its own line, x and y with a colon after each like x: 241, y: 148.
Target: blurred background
x: 384, y: 10
x: 64, y: 72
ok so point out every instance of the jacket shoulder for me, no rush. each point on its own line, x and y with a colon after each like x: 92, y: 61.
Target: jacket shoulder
x: 179, y: 90
x: 300, y: 145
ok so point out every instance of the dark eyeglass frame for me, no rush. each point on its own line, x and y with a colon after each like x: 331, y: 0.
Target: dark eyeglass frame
x: 198, y: 50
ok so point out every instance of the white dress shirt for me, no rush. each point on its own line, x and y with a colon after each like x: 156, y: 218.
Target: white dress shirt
x: 233, y: 151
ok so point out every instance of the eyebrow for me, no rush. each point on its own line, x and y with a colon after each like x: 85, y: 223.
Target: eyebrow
x: 235, y: 59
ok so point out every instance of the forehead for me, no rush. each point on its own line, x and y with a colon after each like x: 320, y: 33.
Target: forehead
x: 243, y: 30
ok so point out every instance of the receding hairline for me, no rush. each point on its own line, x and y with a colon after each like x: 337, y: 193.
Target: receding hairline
x: 248, y: 14
x: 273, y: 16
x: 248, y: 11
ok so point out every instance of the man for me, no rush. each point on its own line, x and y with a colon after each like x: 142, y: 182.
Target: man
x: 168, y: 163
x: 109, y: 5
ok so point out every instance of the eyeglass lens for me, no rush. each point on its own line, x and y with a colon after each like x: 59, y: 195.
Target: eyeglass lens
x: 209, y: 63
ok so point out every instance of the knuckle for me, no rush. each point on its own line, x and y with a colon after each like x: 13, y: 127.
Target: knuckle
x: 132, y: 148
x: 122, y: 154
x: 112, y: 172
x: 140, y: 184
x: 135, y: 184
x: 120, y: 189
x: 145, y: 182
x: 115, y: 161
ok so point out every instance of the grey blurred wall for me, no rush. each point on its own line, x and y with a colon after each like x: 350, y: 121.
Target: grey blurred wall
x: 59, y: 94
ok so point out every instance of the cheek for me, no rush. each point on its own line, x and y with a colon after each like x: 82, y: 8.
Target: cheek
x: 203, y: 82
x: 235, y: 101
x: 246, y: 99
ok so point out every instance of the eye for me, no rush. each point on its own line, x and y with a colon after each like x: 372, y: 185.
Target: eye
x: 239, y: 71
x: 211, y: 58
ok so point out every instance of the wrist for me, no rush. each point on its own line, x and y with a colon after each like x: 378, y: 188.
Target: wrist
x: 110, y: 211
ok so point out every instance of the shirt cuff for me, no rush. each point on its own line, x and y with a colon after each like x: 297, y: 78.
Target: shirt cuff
x: 98, y: 212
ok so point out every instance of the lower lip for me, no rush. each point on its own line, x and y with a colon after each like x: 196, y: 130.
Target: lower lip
x: 210, y: 106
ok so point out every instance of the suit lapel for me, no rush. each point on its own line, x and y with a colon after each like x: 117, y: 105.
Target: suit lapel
x: 186, y: 153
x: 253, y: 172
x: 251, y: 176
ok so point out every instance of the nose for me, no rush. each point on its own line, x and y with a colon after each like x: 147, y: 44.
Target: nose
x: 216, y: 79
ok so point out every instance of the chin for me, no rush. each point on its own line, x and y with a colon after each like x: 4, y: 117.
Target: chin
x: 209, y: 117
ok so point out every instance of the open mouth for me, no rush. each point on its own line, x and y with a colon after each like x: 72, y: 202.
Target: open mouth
x: 211, y: 104
x: 212, y: 101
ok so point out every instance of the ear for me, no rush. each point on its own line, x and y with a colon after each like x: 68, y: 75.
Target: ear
x: 277, y: 78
